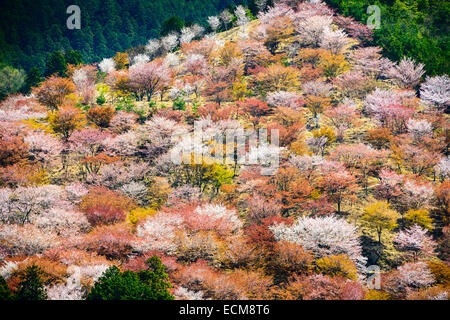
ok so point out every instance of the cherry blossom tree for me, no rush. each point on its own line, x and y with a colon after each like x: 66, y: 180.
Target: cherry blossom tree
x: 324, y: 236
x: 149, y: 78
x: 153, y: 46
x: 21, y: 203
x: 415, y: 242
x: 407, y: 72
x: 370, y: 61
x: 311, y: 29
x: 278, y: 10
x: 43, y: 146
x: 338, y: 183
x: 334, y: 40
x: 107, y: 65
x: 226, y: 18
x: 291, y: 100
x: 169, y: 42
x: 84, y: 80
x: 26, y: 239
x: 419, y: 128
x: 408, y: 278
x: 436, y: 90
x: 214, y: 23
x: 241, y: 16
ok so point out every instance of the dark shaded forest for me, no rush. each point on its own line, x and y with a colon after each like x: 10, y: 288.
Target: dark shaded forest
x: 32, y: 29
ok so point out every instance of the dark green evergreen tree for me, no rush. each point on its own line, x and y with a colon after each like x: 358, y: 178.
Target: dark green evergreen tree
x: 31, y: 286
x: 5, y: 293
x: 172, y: 24
x: 73, y: 57
x: 149, y: 284
x: 32, y: 80
x: 56, y: 64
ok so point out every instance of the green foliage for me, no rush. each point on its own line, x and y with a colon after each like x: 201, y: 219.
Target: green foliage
x: 150, y: 284
x: 32, y: 80
x: 56, y: 63
x: 11, y: 80
x: 125, y: 103
x: 5, y: 293
x: 172, y: 24
x: 73, y: 57
x: 31, y: 286
x: 412, y: 28
x: 179, y: 104
x: 30, y: 29
x: 101, y: 99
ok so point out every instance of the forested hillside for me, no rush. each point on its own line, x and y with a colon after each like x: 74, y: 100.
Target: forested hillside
x: 31, y: 29
x: 272, y: 155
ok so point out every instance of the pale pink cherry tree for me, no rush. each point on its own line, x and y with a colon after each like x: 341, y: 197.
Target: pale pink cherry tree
x: 419, y: 128
x: 158, y: 233
x: 169, y: 42
x: 291, y: 100
x: 123, y: 121
x: 19, y: 204
x: 310, y: 9
x: 370, y: 61
x: 149, y: 78
x: 407, y: 72
x: 75, y: 191
x: 43, y: 146
x: 390, y: 185
x: 408, y: 278
x: 184, y: 194
x: 436, y: 90
x: 277, y: 11
x: 65, y: 223
x: 117, y: 174
x: 443, y: 168
x: 26, y: 239
x: 84, y: 80
x: 107, y: 65
x: 88, y: 141
x: 195, y: 64
x: 415, y: 195
x: 343, y: 117
x: 362, y: 160
x: 124, y: 145
x: 310, y: 30
x: 324, y: 236
x: 336, y: 41
x: 353, y: 84
x: 214, y: 23
x: 153, y: 47
x: 415, y: 243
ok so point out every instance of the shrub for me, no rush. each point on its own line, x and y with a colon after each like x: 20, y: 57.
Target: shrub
x: 288, y: 258
x: 104, y: 206
x: 113, y: 242
x: 339, y: 265
x: 100, y: 116
x: 66, y: 120
x: 139, y: 214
